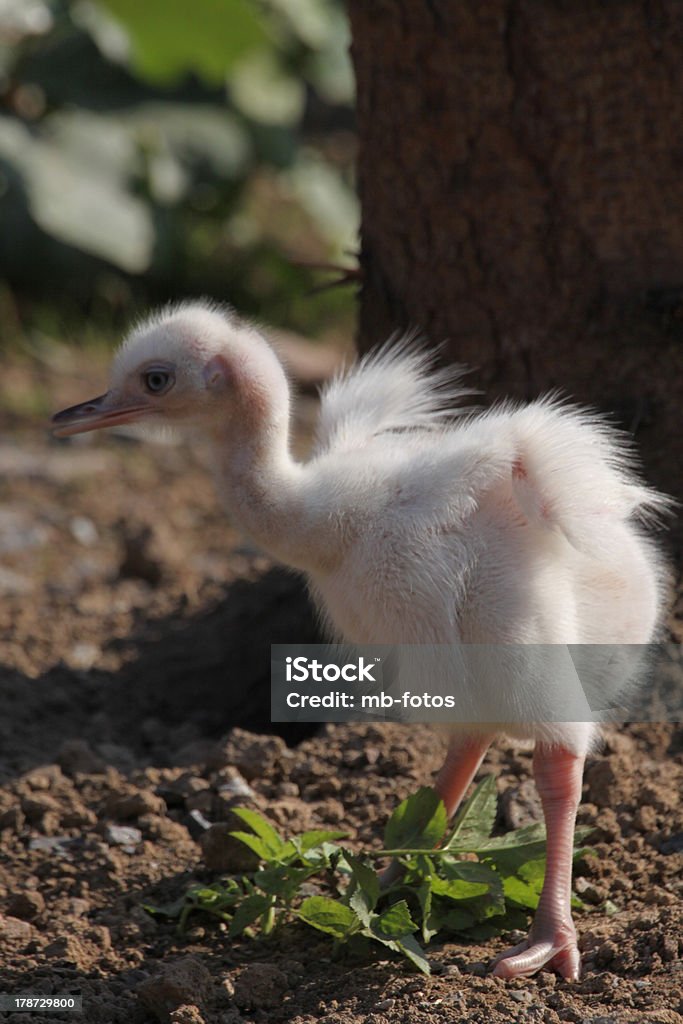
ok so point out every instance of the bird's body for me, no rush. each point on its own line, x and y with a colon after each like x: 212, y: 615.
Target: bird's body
x: 419, y: 522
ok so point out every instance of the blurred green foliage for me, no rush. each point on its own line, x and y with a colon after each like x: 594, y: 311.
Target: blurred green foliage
x: 152, y: 149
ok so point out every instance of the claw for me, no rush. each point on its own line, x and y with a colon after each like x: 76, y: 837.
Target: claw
x: 529, y: 956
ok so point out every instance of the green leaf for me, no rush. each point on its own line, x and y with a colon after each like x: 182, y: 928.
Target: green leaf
x: 171, y: 910
x: 169, y: 38
x: 248, y: 911
x: 365, y: 879
x: 255, y: 843
x: 474, y: 821
x: 312, y: 840
x: 395, y: 922
x: 328, y: 915
x: 418, y: 822
x: 261, y: 828
x: 452, y: 919
x: 430, y: 925
x: 412, y: 949
x: 520, y: 892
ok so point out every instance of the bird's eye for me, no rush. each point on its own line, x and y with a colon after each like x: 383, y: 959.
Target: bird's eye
x: 157, y: 381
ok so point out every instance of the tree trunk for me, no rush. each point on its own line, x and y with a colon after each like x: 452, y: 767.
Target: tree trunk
x: 521, y: 180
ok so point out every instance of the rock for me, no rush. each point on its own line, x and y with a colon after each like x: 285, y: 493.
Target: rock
x: 260, y: 986
x: 123, y: 835
x: 14, y: 582
x: 609, y: 781
x: 185, y: 982
x: 521, y: 805
x: 134, y: 803
x: 177, y: 791
x: 222, y: 852
x: 58, y: 845
x: 155, y: 826
x: 26, y: 905
x: 100, y: 935
x: 66, y: 947
x: 82, y: 656
x: 254, y: 756
x: 12, y: 929
x: 188, y: 1014
x: 149, y: 552
x: 196, y: 824
x: 77, y: 756
x: 17, y: 532
x: 84, y: 531
x: 46, y: 777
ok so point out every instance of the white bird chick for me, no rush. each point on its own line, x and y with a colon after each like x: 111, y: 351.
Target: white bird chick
x: 512, y: 526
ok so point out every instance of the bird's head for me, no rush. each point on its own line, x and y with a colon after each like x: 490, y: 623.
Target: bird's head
x: 194, y: 365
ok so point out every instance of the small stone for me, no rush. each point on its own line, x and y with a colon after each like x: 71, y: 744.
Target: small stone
x: 84, y: 531
x: 83, y: 656
x: 135, y: 803
x: 13, y: 818
x: 156, y: 826
x: 260, y: 986
x: 100, y: 935
x: 196, y: 823
x: 185, y: 982
x: 12, y: 929
x: 188, y: 1014
x: 77, y: 756
x: 122, y: 835
x: 521, y: 995
x: 254, y: 756
x: 222, y: 852
x: 521, y: 805
x: 51, y: 844
x: 66, y: 947
x: 79, y: 907
x: 37, y: 806
x: 26, y: 905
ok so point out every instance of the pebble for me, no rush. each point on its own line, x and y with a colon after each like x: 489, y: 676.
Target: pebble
x: 26, y: 905
x: 84, y: 531
x: 76, y: 755
x: 222, y: 852
x: 133, y: 804
x: 185, y: 982
x: 260, y: 986
x: 51, y: 844
x: 12, y: 929
x: 83, y: 656
x: 196, y: 823
x: 521, y: 805
x: 123, y: 835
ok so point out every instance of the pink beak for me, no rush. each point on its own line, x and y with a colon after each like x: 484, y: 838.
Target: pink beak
x: 106, y: 410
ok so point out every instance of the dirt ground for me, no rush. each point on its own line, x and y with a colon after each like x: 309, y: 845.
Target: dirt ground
x: 132, y: 616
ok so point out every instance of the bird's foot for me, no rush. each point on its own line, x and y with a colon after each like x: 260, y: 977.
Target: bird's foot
x: 555, y: 946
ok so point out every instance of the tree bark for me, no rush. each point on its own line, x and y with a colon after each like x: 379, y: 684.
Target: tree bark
x: 521, y: 181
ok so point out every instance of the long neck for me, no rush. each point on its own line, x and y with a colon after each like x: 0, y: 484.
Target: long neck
x: 263, y: 487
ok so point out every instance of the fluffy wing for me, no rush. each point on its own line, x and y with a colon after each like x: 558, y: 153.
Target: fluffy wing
x: 574, y: 471
x: 564, y: 468
x: 395, y: 388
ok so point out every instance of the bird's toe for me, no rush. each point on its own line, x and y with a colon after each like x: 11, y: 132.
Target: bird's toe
x: 529, y: 956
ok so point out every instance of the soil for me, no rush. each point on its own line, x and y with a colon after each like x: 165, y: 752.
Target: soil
x: 132, y: 618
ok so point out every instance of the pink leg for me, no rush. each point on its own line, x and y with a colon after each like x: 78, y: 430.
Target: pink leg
x: 552, y: 939
x: 464, y: 756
